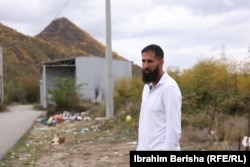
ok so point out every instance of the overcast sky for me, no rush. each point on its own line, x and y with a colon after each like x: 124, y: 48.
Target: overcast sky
x: 187, y: 30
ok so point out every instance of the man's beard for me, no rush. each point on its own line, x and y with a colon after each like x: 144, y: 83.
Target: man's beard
x: 151, y: 75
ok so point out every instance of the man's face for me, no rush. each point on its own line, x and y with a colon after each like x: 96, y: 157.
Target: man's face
x: 150, y: 67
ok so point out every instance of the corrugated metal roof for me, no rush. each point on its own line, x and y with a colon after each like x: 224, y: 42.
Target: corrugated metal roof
x: 61, y: 62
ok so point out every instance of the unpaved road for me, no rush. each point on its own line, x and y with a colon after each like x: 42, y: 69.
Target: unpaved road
x: 14, y: 123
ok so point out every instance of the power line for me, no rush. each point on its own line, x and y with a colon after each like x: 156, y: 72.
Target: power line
x: 64, y: 5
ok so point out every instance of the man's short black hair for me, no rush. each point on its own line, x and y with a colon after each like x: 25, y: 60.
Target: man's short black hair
x: 156, y: 49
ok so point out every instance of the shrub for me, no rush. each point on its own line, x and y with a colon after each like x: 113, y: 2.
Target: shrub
x: 66, y: 95
x: 14, y: 93
x: 233, y: 105
x: 31, y: 88
x: 128, y: 94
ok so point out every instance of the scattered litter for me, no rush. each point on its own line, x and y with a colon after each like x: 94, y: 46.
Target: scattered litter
x: 29, y: 143
x: 44, y: 128
x: 57, y: 140
x: 49, y: 121
x: 94, y: 128
x: 132, y: 143
x: 61, y: 140
x: 64, y: 117
x: 13, y: 155
x: 42, y: 120
x: 84, y: 130
x: 69, y: 130
x: 246, y: 141
x: 24, y: 157
x: 87, y: 119
x: 59, y: 118
x: 117, y: 153
x: 78, y: 118
x: 101, y: 118
x: 128, y: 118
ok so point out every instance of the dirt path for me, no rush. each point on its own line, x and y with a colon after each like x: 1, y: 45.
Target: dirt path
x: 13, y: 124
x: 104, y: 148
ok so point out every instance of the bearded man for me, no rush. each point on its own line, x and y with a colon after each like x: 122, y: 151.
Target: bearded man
x: 160, y: 114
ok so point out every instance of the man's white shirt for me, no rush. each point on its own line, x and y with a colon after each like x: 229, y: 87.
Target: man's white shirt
x: 160, y: 116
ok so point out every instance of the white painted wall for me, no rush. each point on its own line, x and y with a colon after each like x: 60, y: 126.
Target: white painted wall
x: 87, y: 71
x: 90, y: 71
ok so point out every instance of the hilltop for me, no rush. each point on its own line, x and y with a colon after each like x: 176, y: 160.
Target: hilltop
x: 63, y: 34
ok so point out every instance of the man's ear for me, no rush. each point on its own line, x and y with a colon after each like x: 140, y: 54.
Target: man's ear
x: 162, y: 62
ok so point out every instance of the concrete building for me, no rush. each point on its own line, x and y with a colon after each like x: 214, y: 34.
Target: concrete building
x: 87, y: 71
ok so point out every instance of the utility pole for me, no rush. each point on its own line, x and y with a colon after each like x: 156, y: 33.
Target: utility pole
x: 109, y: 67
x: 1, y: 76
x: 223, y: 54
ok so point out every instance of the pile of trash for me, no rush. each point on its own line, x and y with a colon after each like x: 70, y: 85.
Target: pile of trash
x: 64, y: 117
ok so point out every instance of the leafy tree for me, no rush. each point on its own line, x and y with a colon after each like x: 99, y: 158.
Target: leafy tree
x: 66, y: 95
x: 175, y: 73
x: 209, y: 75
